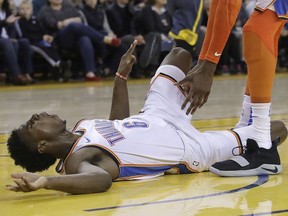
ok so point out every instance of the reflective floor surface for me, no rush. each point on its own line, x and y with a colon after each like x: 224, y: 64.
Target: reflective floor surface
x: 175, y: 195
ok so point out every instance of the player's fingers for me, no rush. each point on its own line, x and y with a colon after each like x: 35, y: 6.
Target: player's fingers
x: 194, y: 110
x: 13, y: 188
x: 186, y: 101
x: 205, y: 98
x: 132, y: 47
x: 181, y: 82
x: 134, y: 44
x: 132, y: 60
x: 189, y: 109
x: 191, y: 106
x: 17, y: 175
x: 20, y: 183
x: 194, y: 104
x: 28, y: 185
x: 26, y: 182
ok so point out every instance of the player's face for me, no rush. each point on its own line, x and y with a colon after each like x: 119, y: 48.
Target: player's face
x: 41, y: 127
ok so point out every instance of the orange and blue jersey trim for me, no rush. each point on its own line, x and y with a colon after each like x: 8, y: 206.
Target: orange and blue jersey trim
x: 169, y: 78
x: 132, y: 171
x: 281, y: 8
x: 60, y: 168
x: 240, y: 145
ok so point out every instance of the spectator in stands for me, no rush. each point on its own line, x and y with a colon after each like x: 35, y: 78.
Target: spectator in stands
x: 41, y: 42
x: 16, y: 51
x: 155, y: 22
x: 37, y: 5
x: 96, y: 16
x: 186, y: 30
x: 63, y: 21
x: 97, y: 19
x: 121, y: 17
x: 76, y: 3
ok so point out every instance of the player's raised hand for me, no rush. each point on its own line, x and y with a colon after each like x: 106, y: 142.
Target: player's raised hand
x: 27, y: 182
x: 198, y: 82
x: 127, y: 61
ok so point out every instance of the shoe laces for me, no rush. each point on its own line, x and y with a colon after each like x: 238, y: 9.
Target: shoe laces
x: 240, y: 150
x: 249, y: 149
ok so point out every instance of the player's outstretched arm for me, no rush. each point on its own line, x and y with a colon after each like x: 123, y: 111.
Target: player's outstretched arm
x: 120, y: 99
x: 90, y: 179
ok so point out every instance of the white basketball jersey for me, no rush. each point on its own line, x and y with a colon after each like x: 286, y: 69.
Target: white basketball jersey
x: 264, y: 3
x: 140, y: 145
x: 279, y: 6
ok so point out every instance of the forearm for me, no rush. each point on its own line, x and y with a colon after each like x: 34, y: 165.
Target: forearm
x: 120, y: 100
x: 83, y: 183
x: 222, y: 17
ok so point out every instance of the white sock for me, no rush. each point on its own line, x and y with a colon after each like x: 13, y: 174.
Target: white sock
x: 245, y: 117
x: 261, y: 124
x: 244, y: 134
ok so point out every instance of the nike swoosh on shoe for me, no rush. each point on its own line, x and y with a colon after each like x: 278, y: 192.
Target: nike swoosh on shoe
x: 275, y: 170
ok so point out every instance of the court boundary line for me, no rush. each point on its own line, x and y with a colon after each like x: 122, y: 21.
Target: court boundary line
x: 260, y: 181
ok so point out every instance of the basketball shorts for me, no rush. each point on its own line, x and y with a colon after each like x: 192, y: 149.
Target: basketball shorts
x: 164, y: 100
x: 279, y: 6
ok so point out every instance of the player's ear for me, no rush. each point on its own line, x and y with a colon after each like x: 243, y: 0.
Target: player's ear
x: 42, y: 146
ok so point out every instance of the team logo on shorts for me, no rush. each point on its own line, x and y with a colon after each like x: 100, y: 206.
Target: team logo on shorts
x: 195, y: 163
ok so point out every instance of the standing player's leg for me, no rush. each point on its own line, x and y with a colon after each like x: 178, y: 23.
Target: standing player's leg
x: 260, y: 51
x: 246, y: 114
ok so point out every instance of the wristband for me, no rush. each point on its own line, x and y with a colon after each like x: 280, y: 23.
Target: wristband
x: 121, y: 76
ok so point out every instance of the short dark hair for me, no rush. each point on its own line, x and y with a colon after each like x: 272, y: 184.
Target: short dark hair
x: 32, y: 161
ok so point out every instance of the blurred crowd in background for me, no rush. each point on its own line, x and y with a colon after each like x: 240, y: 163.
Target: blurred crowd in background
x: 65, y: 40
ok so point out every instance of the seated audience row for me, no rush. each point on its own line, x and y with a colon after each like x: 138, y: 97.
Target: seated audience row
x: 90, y: 36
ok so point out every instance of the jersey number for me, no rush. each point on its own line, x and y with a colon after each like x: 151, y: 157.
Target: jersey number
x: 134, y: 124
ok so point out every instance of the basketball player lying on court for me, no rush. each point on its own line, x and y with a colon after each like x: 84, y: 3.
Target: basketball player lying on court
x: 159, y: 140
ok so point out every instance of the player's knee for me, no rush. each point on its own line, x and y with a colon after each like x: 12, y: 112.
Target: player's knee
x: 278, y: 130
x: 181, y: 58
x: 178, y: 51
x: 252, y: 47
x: 284, y: 132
